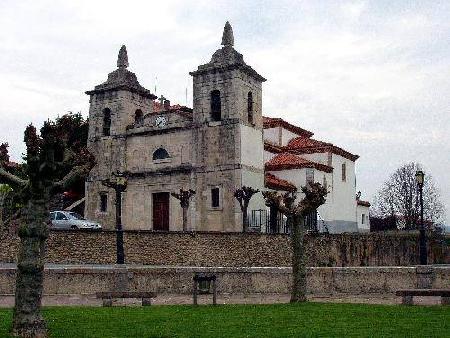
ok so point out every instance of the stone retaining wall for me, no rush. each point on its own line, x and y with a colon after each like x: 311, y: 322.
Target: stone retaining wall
x: 231, y: 249
x: 178, y: 280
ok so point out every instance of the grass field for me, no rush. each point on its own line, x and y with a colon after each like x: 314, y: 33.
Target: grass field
x: 277, y: 320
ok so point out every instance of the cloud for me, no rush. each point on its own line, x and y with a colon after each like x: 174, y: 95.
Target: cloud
x: 371, y: 77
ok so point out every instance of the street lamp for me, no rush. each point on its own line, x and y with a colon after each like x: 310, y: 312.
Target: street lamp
x: 422, y: 238
x: 119, y: 184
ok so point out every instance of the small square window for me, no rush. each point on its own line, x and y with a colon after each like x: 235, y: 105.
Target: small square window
x: 215, y: 197
x: 103, y: 202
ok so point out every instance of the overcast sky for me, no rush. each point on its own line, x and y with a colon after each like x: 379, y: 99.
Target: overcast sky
x: 372, y: 77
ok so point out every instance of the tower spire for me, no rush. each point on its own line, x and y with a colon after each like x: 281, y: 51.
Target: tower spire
x: 227, y: 37
x: 122, y: 59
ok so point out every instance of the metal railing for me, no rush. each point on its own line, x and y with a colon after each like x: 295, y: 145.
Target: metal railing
x: 269, y: 221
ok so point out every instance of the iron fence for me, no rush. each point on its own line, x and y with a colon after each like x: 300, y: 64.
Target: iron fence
x: 273, y: 221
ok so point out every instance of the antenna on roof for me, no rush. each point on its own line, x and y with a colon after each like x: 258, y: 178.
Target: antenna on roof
x: 186, y: 97
x: 156, y: 82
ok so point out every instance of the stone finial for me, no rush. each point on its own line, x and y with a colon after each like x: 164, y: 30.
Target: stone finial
x: 227, y: 37
x: 122, y: 59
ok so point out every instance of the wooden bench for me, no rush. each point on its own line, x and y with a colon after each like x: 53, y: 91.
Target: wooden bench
x: 108, y: 297
x: 408, y: 294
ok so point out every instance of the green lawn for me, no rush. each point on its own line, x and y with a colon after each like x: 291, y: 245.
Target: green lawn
x: 277, y: 320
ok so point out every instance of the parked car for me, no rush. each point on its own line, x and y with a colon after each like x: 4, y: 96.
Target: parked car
x: 71, y: 220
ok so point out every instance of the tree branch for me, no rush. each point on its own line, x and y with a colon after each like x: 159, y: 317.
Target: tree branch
x: 72, y: 175
x: 13, y: 178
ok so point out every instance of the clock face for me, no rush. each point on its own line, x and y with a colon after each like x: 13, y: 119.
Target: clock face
x: 160, y: 121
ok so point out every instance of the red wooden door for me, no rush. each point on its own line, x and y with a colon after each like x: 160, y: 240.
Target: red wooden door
x: 161, y: 211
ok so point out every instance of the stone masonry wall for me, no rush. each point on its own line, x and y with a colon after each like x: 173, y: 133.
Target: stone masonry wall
x: 230, y: 249
x: 84, y: 279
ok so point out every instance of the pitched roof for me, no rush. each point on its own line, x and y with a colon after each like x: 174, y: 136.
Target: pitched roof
x: 284, y: 161
x: 158, y: 107
x: 273, y: 182
x: 271, y: 122
x: 363, y: 203
x: 272, y: 148
x: 303, y: 145
x: 176, y: 108
x: 302, y: 142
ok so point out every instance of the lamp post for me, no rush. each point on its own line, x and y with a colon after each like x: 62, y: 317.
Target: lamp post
x: 119, y: 184
x: 422, y: 237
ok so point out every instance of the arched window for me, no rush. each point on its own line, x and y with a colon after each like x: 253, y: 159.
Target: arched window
x: 106, y: 122
x: 215, y: 106
x: 250, y: 107
x: 138, y: 118
x: 160, y: 154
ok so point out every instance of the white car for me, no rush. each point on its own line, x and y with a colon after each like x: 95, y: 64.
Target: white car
x: 71, y: 220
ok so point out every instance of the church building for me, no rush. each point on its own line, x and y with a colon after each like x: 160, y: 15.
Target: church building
x: 218, y: 146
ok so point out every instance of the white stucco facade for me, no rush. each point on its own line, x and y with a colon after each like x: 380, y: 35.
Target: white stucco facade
x: 332, y: 167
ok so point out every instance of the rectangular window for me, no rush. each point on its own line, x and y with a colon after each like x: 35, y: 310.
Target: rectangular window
x: 103, y: 202
x: 344, y: 172
x: 363, y: 217
x: 325, y: 185
x: 216, y: 106
x: 215, y: 197
x: 309, y: 175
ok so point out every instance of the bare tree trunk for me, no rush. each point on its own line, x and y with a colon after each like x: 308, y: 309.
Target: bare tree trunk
x: 185, y: 219
x: 28, y: 320
x: 245, y: 219
x: 298, y: 259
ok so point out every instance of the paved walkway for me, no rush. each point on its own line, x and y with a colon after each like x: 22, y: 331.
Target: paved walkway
x: 171, y: 299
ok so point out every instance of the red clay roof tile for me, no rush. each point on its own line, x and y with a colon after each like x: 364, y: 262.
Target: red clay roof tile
x: 276, y: 183
x: 285, y: 161
x: 303, y: 145
x: 271, y: 122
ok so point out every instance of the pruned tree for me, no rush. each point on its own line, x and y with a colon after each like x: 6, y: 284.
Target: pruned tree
x: 71, y: 131
x: 5, y: 192
x: 399, y: 198
x: 243, y: 196
x: 184, y: 197
x: 314, y: 197
x: 43, y: 177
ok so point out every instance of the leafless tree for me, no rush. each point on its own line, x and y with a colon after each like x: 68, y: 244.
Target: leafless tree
x: 399, y: 198
x: 184, y: 197
x: 243, y: 196
x: 42, y: 179
x: 314, y: 197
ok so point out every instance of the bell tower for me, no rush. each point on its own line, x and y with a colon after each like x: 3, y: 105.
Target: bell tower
x: 227, y: 113
x: 114, y: 105
x: 227, y: 88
